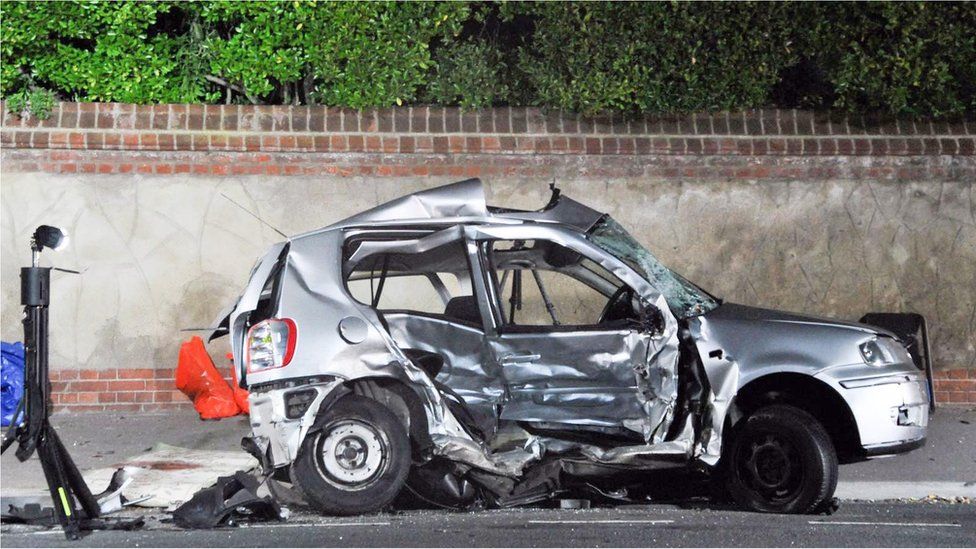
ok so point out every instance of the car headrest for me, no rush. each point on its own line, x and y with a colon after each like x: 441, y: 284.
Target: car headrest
x: 463, y: 308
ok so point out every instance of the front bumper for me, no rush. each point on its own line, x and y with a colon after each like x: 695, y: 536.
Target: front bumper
x: 890, y: 406
x: 896, y: 448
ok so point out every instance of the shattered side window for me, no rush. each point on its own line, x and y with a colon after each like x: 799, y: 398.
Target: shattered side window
x: 685, y: 299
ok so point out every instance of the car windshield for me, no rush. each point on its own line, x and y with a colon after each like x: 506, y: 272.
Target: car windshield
x: 685, y: 299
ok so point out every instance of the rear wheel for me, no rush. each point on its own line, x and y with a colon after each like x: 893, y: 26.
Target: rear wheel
x: 357, y: 462
x: 781, y: 460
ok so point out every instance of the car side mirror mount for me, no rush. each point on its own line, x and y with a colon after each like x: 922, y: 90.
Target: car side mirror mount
x: 650, y: 318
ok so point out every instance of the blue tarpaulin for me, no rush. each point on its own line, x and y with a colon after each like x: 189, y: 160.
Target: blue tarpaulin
x: 12, y: 377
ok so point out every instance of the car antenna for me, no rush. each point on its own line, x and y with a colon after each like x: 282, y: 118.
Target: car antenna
x: 254, y: 215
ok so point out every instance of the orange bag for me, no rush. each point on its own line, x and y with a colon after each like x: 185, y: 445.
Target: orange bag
x: 197, y: 377
x: 240, y: 395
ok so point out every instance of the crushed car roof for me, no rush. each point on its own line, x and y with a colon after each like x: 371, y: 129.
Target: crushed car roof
x: 464, y: 201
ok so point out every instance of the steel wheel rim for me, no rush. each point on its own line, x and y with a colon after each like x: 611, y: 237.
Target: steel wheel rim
x: 769, y: 465
x: 351, y: 454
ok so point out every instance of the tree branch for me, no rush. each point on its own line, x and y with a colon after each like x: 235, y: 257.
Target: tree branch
x: 234, y: 87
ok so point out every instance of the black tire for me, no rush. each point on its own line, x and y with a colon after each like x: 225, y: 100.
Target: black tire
x: 780, y: 460
x: 367, y: 462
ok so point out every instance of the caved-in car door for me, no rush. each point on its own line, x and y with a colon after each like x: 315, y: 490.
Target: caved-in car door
x: 570, y: 340
x: 420, y: 288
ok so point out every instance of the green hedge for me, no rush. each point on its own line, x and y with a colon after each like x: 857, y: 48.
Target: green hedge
x: 917, y: 58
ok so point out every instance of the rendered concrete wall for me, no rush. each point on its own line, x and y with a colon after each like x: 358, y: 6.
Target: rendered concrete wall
x: 162, y: 254
x: 819, y: 212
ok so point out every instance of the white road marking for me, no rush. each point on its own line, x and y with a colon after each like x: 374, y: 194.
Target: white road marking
x: 47, y: 532
x: 884, y: 490
x: 865, y: 523
x: 638, y: 521
x: 312, y: 524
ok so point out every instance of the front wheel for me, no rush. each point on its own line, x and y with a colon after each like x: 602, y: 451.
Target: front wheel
x: 357, y: 462
x: 781, y: 461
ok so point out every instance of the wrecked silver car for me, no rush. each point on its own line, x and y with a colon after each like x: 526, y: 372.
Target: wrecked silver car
x: 463, y: 353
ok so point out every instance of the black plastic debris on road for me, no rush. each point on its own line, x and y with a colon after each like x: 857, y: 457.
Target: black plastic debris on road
x: 231, y: 500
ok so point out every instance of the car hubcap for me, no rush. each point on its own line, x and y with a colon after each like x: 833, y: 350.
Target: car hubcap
x: 352, y: 452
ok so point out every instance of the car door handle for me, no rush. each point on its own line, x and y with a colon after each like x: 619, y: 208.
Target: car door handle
x: 519, y: 358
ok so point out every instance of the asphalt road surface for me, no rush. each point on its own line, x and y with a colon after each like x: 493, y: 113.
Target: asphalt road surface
x: 853, y: 525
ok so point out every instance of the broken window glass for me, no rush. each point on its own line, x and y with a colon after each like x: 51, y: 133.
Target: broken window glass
x: 684, y: 298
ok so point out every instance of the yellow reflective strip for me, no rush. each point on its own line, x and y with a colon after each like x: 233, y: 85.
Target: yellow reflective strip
x: 64, y: 501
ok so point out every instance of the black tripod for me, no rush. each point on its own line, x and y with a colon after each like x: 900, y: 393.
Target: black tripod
x: 35, y: 431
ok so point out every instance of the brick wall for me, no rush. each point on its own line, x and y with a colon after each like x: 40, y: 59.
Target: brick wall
x: 111, y: 138
x: 421, y: 142
x: 123, y: 390
x: 955, y: 387
x: 151, y: 390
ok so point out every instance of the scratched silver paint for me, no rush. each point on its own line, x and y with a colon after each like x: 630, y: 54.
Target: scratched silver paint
x: 619, y: 378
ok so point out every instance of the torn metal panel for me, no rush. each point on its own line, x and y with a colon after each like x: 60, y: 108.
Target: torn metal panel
x: 466, y: 370
x: 221, y: 325
x: 659, y: 455
x: 723, y: 375
x: 584, y: 379
x: 649, y: 359
x: 111, y: 499
x: 275, y: 431
x: 462, y: 199
x: 249, y: 299
x: 438, y: 484
x: 406, y: 246
x: 560, y: 209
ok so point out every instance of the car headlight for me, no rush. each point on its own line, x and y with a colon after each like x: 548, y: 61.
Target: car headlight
x: 271, y: 344
x: 881, y: 352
